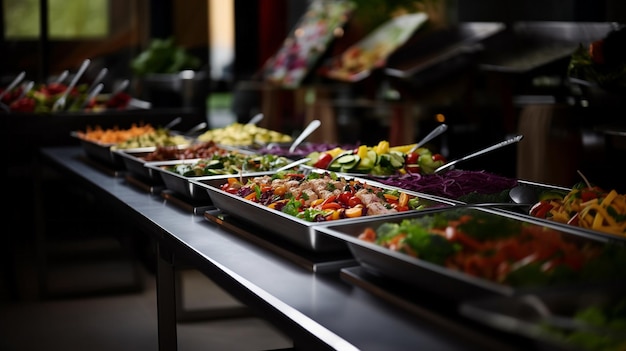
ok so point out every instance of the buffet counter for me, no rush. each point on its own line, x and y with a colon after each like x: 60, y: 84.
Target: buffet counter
x: 317, y: 308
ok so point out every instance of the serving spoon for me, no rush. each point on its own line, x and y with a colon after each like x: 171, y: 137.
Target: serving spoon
x: 522, y: 194
x: 450, y: 164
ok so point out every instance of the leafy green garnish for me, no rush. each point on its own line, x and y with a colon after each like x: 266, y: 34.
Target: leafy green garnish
x: 292, y: 207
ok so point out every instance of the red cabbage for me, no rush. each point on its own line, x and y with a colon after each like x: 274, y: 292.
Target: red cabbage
x: 452, y: 184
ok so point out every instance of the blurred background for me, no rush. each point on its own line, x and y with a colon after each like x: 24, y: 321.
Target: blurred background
x: 483, y: 83
x: 490, y: 69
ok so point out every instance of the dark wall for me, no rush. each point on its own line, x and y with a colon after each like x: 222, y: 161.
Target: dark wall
x: 541, y: 10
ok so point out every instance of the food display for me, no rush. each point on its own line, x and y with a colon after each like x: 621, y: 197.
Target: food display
x: 480, y: 252
x: 319, y: 197
x: 135, y: 159
x: 303, y: 150
x: 585, y: 318
x: 238, y: 134
x: 588, y: 207
x: 198, y: 150
x: 41, y: 98
x: 177, y: 175
x: 98, y: 142
x: 378, y: 160
x: 293, y: 202
x: 114, y: 135
x: 159, y: 137
x: 104, y: 144
x: 462, y: 185
x: 228, y: 163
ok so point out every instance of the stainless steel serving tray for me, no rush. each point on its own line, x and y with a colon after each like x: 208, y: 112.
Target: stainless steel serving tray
x: 421, y: 274
x: 295, y: 230
x: 101, y: 152
x: 178, y: 183
x: 541, y: 187
x: 544, y: 316
x: 183, y: 185
x: 134, y: 163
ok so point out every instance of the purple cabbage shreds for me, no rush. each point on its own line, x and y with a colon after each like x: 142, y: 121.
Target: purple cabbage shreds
x: 245, y: 191
x: 304, y: 149
x: 453, y: 184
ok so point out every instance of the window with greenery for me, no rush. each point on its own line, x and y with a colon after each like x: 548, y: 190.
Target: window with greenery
x: 67, y: 19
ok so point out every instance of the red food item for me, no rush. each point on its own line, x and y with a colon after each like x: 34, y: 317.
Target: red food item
x: 25, y: 104
x: 118, y: 101
x: 596, y: 52
x: 323, y: 161
x: 53, y: 89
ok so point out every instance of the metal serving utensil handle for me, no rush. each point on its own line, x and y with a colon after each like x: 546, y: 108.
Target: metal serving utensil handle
x: 433, y: 134
x: 13, y: 84
x: 60, y: 103
x: 305, y: 133
x: 480, y: 152
x: 292, y: 164
x: 256, y: 119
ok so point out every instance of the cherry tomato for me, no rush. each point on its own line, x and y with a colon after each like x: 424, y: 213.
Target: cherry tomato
x: 323, y: 161
x: 438, y: 157
x: 354, y: 201
x: 344, y: 198
x: 412, y: 168
x: 596, y: 52
x: 55, y: 88
x: 411, y: 158
x: 540, y: 209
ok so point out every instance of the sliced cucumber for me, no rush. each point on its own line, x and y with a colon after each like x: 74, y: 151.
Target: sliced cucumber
x: 339, y: 163
x: 384, y: 160
x: 347, y: 159
x: 368, y: 162
x: 349, y: 162
x: 396, y: 159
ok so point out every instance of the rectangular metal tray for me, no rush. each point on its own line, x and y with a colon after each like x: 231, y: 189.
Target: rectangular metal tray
x: 183, y: 185
x: 134, y: 163
x: 542, y: 316
x: 180, y: 184
x: 135, y: 159
x: 421, y: 274
x: 295, y: 230
x: 100, y: 152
